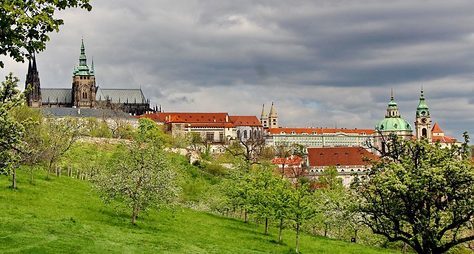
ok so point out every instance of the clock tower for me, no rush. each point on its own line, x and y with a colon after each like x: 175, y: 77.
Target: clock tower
x: 423, y: 120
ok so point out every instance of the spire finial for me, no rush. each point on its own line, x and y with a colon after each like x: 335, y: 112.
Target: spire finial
x: 391, y: 94
x: 422, y: 92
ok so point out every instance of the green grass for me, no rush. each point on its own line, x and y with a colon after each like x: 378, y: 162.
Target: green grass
x: 65, y: 215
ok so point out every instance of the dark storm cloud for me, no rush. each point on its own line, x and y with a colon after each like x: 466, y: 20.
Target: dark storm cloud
x: 322, y: 62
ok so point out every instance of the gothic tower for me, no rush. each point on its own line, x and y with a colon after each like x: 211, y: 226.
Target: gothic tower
x: 32, y: 85
x: 264, y: 118
x: 273, y: 118
x: 423, y: 120
x: 83, y: 83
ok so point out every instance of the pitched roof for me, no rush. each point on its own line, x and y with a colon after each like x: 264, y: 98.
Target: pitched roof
x: 309, y: 131
x: 85, y: 112
x: 444, y: 139
x: 289, y: 161
x: 185, y: 117
x: 53, y: 95
x: 436, y: 129
x: 245, y: 121
x: 121, y: 95
x: 339, y: 156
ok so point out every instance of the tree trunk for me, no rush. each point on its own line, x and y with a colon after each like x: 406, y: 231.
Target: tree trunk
x: 266, y: 226
x: 13, y: 178
x: 297, y: 249
x: 135, y: 214
x: 246, y: 217
x: 280, y: 231
x: 325, y: 229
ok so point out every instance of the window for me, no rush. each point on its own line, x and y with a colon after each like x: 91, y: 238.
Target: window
x: 238, y: 134
x: 245, y: 134
x: 210, y: 136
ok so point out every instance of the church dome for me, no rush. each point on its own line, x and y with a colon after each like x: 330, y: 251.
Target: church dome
x: 393, y: 124
x: 393, y: 121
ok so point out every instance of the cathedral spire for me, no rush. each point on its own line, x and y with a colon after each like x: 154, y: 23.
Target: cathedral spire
x: 82, y: 57
x: 92, y: 66
x: 262, y: 116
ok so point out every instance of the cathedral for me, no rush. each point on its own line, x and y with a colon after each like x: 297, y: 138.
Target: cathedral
x: 84, y: 92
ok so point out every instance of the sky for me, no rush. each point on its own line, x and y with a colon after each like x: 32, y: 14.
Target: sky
x: 324, y: 63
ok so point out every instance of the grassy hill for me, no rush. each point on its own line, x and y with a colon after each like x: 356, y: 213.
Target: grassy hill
x: 65, y: 215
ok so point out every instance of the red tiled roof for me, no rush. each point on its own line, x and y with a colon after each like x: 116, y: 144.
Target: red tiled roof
x: 310, y: 131
x: 436, y: 129
x: 339, y: 156
x: 245, y: 121
x: 216, y: 125
x: 444, y: 139
x: 290, y: 161
x: 181, y: 117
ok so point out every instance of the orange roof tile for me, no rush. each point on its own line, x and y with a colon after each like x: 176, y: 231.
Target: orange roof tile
x: 444, y: 139
x: 290, y: 161
x: 436, y: 129
x: 339, y: 156
x: 313, y: 131
x: 245, y: 121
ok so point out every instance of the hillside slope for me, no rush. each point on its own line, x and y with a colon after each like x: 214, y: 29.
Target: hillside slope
x: 65, y: 215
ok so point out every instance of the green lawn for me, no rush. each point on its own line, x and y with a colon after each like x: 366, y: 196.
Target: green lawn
x: 65, y: 215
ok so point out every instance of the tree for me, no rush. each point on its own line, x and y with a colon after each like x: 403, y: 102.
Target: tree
x: 420, y: 194
x: 262, y: 193
x: 57, y: 137
x: 140, y: 175
x: 11, y: 131
x: 24, y: 25
x: 302, y: 207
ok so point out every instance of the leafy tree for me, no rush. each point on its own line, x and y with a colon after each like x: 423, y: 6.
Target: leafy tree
x: 329, y: 179
x: 11, y: 131
x: 140, y: 175
x: 58, y: 136
x: 24, y: 25
x: 262, y: 193
x: 32, y: 121
x: 420, y: 194
x: 302, y: 207
x: 281, y: 206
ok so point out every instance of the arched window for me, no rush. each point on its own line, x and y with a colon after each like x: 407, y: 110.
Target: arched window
x: 245, y: 134
x: 424, y: 133
x: 238, y: 134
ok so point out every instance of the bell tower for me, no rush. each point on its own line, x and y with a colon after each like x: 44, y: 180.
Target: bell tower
x: 423, y: 120
x: 273, y: 118
x: 83, y: 83
x: 32, y: 85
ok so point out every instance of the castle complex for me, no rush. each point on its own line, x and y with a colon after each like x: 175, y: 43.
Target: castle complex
x: 84, y: 92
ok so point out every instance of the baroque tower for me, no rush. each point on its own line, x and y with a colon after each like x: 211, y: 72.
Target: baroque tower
x: 423, y: 120
x: 273, y: 118
x: 83, y: 83
x: 32, y: 85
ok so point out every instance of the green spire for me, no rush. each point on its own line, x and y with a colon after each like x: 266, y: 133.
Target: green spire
x: 422, y: 109
x: 83, y: 69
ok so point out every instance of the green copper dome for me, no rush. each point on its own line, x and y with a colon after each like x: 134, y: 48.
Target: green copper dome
x: 393, y: 120
x: 393, y: 124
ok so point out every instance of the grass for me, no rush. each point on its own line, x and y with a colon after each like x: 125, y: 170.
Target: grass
x: 65, y: 215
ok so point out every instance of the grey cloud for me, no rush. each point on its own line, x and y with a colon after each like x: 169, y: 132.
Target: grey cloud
x: 322, y: 62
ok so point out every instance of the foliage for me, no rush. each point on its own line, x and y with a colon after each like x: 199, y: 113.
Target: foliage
x: 140, y: 174
x: 67, y: 216
x: 11, y: 131
x: 301, y: 207
x: 329, y: 179
x: 24, y: 25
x: 420, y: 194
x: 57, y: 137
